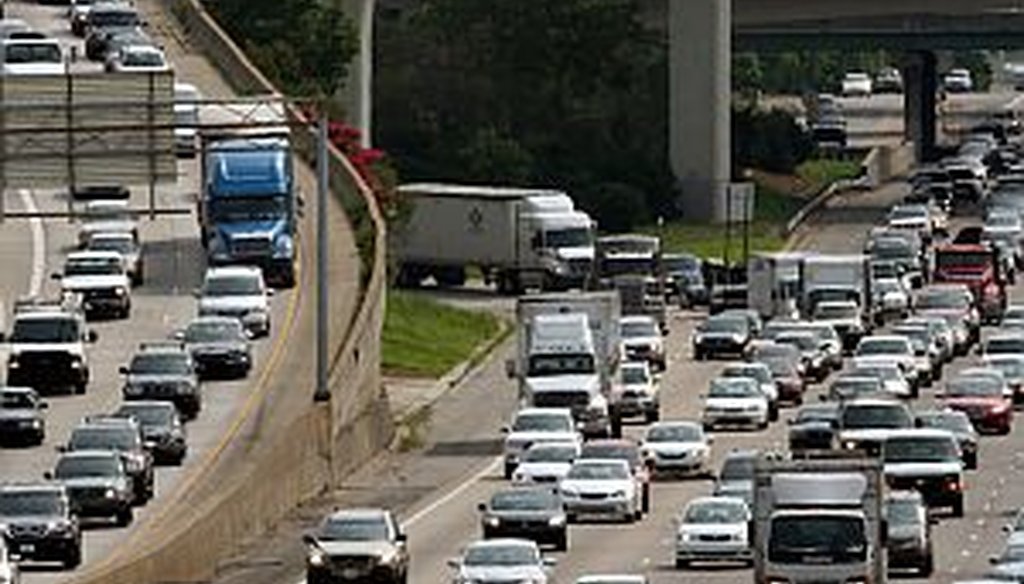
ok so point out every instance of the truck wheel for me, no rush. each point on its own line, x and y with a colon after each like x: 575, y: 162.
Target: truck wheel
x: 645, y: 499
x: 562, y: 543
x: 74, y: 557
x: 616, y: 427
x: 79, y: 388
x: 928, y: 566
x: 509, y: 469
x: 958, y: 507
x: 653, y: 415
x: 124, y: 517
x: 682, y: 564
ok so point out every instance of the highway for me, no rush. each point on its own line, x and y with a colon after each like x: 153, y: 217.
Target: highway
x: 31, y: 250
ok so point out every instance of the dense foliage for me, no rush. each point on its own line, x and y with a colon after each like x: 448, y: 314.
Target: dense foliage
x: 304, y: 46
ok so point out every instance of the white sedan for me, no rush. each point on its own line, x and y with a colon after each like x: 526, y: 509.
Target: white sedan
x: 676, y: 447
x: 137, y: 58
x: 546, y: 462
x: 601, y: 487
x: 502, y: 560
x: 713, y: 529
x: 735, y: 401
x: 856, y: 83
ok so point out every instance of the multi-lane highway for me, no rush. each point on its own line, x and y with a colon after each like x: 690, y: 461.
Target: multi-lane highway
x: 31, y: 250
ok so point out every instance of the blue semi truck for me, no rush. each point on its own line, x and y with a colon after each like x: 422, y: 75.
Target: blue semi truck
x: 249, y: 203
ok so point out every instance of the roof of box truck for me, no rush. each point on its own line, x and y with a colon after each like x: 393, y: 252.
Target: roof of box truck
x: 831, y: 489
x: 479, y: 191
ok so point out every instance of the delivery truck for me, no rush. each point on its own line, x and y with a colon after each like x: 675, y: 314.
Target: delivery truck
x: 518, y: 238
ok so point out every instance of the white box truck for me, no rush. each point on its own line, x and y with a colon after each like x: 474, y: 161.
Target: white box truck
x: 819, y: 520
x: 567, y: 354
x: 773, y: 282
x: 518, y: 238
x: 831, y: 280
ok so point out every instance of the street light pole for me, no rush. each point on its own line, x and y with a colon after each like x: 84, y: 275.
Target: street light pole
x: 322, y: 392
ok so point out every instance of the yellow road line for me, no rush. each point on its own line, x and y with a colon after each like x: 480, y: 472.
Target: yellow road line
x: 199, y: 471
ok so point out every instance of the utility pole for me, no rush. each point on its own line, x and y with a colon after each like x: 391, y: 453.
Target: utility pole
x: 322, y: 392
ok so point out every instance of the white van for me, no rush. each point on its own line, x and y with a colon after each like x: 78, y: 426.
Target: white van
x: 33, y: 56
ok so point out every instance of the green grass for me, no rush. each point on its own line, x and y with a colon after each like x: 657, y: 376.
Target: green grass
x: 425, y: 338
x: 820, y: 172
x: 708, y: 241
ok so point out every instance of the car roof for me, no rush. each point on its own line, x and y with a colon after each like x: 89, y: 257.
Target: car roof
x: 91, y: 453
x: 883, y: 338
x: 93, y: 255
x: 715, y: 499
x: 146, y: 403
x: 32, y: 486
x: 544, y: 411
x: 919, y: 433
x: 637, y: 318
x: 905, y: 494
x: 18, y: 390
x: 215, y: 272
x: 600, y: 461
x: 502, y: 542
x: 358, y: 513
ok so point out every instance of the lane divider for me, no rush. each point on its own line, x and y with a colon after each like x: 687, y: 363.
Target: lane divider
x: 35, y: 224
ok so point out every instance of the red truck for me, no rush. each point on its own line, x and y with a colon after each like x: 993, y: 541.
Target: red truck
x: 977, y: 265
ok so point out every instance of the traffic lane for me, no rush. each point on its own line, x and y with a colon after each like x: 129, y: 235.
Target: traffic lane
x: 162, y: 304
x: 21, y: 249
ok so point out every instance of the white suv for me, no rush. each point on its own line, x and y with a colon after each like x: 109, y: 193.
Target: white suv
x: 239, y: 292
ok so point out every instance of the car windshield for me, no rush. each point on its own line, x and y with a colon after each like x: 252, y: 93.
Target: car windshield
x: 505, y: 555
x: 899, y: 213
x: 627, y: 452
x: 550, y: 453
x: 880, y: 372
x: 148, y: 415
x: 1012, y: 553
x: 1011, y: 368
x: 963, y: 259
x: 1013, y: 345
x: 737, y: 468
x: 1002, y: 220
x: 542, y: 423
x: 232, y: 286
x: 943, y: 421
x: 817, y: 540
x: 45, y: 330
x: 827, y: 311
x: 715, y: 512
x: 13, y: 400
x: 882, y: 347
x: 902, y: 512
x: 18, y: 53
x: 525, y: 500
x: 101, y: 438
x: 69, y: 467
x: 214, y: 331
x: 761, y: 374
x: 122, y: 245
x: 920, y: 449
x: 779, y: 367
x: 883, y: 286
x: 142, y: 59
x: 570, y: 237
x: 543, y: 365
x: 887, y: 250
x: 847, y: 388
x: 733, y: 388
x: 914, y: 333
x: 354, y: 529
x: 232, y: 209
x: 682, y: 264
x: 635, y: 329
x: 591, y: 471
x: 724, y: 325
x: 113, y: 18
x: 93, y: 267
x: 802, y: 341
x: 816, y: 414
x: 160, y: 364
x: 634, y: 375
x: 675, y: 433
x: 974, y: 385
x: 863, y: 416
x: 18, y: 503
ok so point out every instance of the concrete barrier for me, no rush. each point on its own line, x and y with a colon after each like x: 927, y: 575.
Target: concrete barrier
x: 277, y: 463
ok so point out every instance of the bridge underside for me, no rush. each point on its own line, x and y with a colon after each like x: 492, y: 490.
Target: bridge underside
x: 906, y: 32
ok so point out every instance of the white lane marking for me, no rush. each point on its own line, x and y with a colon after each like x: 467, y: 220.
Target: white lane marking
x: 424, y: 512
x: 35, y: 283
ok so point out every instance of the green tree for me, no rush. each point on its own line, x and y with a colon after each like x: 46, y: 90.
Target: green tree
x: 302, y: 45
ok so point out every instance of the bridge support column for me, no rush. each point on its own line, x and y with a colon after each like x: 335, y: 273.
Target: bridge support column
x: 920, y: 83
x: 700, y: 53
x: 356, y: 94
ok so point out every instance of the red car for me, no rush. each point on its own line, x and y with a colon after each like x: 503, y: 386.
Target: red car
x: 983, y: 394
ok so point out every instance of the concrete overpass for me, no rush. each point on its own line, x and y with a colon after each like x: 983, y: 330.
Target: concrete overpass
x: 702, y: 34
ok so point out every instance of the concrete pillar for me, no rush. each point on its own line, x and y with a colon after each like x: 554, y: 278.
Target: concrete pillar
x: 920, y: 83
x: 700, y: 53
x: 356, y: 94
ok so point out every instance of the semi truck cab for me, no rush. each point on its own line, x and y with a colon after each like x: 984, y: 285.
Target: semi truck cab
x: 977, y: 266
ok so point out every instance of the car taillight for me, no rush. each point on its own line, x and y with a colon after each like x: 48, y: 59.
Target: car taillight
x: 954, y: 485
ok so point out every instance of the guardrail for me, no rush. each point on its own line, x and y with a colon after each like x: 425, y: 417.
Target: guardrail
x: 300, y: 459
x: 880, y: 164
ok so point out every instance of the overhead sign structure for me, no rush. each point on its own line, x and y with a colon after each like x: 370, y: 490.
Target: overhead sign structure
x: 84, y: 129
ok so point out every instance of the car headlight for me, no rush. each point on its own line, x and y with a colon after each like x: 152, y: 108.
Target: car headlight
x: 284, y: 246
x: 753, y: 408
x: 557, y: 520
x: 570, y: 492
x: 685, y: 537
x: 12, y: 362
x: 492, y: 521
x: 317, y: 558
x: 110, y: 494
x: 186, y: 387
x: 58, y: 527
x: 132, y: 389
x: 619, y: 494
x: 120, y: 291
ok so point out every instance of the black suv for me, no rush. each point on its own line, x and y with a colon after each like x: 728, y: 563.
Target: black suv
x: 21, y: 416
x: 163, y: 434
x: 122, y: 436
x: 105, y: 20
x: 164, y: 372
x: 40, y: 525
x: 530, y: 513
x: 97, y: 484
x: 219, y: 346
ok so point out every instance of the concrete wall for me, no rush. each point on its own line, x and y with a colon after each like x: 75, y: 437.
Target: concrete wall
x: 286, y: 454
